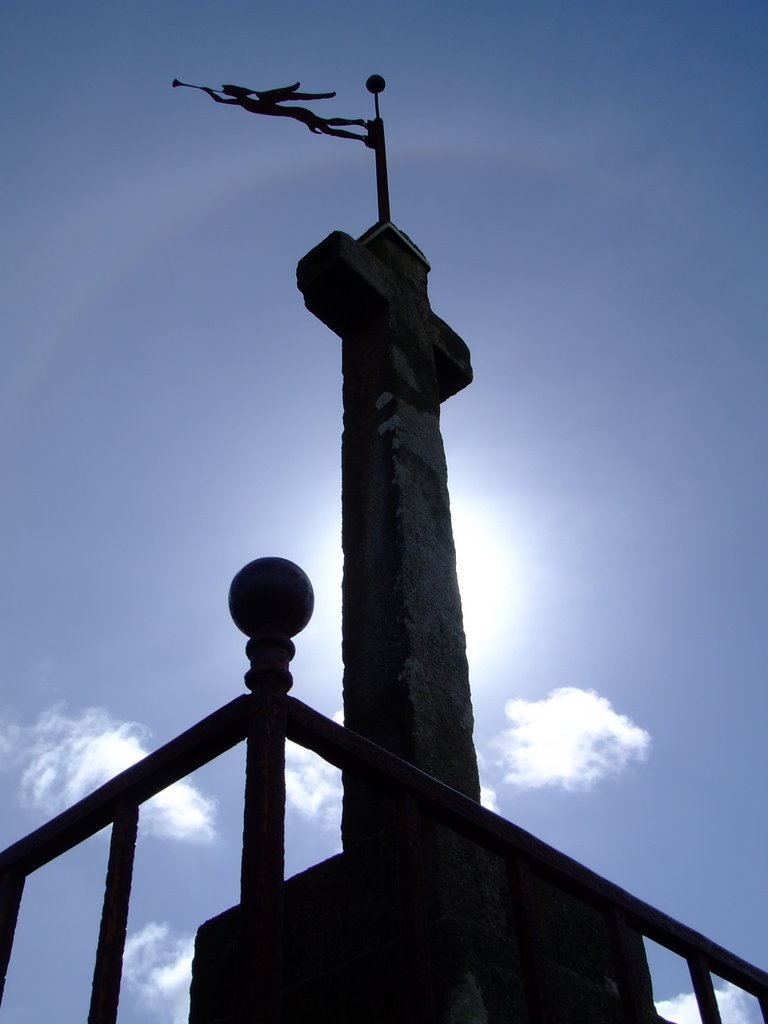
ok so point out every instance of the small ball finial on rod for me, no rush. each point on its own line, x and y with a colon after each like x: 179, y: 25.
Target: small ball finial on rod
x: 375, y: 141
x: 270, y: 600
x: 376, y: 84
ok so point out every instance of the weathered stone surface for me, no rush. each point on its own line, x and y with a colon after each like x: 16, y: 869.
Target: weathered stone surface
x: 406, y: 681
x: 344, y: 957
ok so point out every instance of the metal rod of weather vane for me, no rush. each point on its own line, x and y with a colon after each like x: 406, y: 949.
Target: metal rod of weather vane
x: 376, y: 142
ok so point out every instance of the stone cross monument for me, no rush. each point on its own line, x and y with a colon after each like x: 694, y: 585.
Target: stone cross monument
x: 406, y: 683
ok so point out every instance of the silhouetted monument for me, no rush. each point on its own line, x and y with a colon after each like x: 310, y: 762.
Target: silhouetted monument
x: 437, y: 911
x: 406, y: 681
x: 406, y: 688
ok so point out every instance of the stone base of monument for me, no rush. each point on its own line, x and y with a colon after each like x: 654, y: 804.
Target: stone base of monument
x: 344, y: 954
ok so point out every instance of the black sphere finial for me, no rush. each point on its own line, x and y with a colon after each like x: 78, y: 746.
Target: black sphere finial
x: 271, y: 594
x: 375, y: 84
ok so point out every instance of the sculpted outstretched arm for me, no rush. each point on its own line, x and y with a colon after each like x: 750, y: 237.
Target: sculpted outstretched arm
x: 215, y: 96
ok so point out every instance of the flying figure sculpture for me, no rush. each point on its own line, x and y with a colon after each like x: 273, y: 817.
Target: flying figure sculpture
x: 268, y: 102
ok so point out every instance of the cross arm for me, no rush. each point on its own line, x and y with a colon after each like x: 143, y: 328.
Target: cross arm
x: 343, y: 284
x: 346, y: 284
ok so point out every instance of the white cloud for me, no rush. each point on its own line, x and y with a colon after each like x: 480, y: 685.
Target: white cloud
x: 64, y: 758
x: 571, y: 739
x: 489, y: 799
x: 736, y: 1007
x: 181, y: 812
x: 157, y: 968
x: 312, y: 786
x: 8, y: 741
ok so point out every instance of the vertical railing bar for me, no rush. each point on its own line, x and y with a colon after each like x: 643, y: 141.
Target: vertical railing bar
x: 703, y: 989
x: 524, y: 913
x: 108, y: 969
x: 11, y: 889
x: 763, y: 1000
x: 416, y: 954
x: 260, y: 935
x: 626, y: 978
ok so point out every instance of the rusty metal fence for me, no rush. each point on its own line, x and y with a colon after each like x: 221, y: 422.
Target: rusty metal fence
x: 264, y: 719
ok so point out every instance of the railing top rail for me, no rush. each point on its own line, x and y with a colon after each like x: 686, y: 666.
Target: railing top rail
x: 173, y: 761
x: 351, y: 752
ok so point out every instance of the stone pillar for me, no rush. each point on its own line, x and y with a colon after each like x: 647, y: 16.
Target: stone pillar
x: 406, y: 680
x: 406, y: 683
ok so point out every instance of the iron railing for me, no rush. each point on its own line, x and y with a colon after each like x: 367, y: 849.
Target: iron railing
x: 265, y: 719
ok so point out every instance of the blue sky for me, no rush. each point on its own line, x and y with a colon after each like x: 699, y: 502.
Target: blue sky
x: 587, y: 181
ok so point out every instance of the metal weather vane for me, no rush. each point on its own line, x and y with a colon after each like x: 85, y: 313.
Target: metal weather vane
x: 270, y: 102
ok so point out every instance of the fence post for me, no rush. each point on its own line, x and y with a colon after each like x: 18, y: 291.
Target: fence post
x: 270, y: 601
x: 704, y: 989
x: 11, y: 889
x: 625, y: 971
x: 107, y: 973
x: 526, y: 929
x: 416, y: 952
